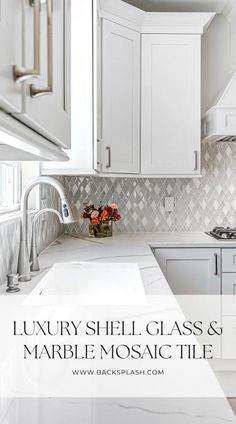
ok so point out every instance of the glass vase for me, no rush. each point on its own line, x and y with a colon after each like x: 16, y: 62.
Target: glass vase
x: 104, y: 229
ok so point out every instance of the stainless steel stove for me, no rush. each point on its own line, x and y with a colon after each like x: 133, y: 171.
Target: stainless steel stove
x: 222, y: 233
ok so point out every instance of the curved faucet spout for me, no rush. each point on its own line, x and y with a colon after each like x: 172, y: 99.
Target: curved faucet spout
x: 34, y: 251
x: 67, y: 217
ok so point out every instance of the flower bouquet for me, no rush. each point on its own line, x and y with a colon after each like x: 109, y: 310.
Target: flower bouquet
x: 101, y: 218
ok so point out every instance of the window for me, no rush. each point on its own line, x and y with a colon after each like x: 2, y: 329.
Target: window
x: 10, y: 186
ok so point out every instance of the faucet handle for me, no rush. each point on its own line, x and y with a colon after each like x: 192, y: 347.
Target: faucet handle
x: 12, y: 283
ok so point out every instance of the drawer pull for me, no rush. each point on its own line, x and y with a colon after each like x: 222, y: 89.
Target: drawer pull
x: 42, y: 91
x: 216, y: 264
x: 195, y: 160
x: 22, y: 74
x: 109, y: 157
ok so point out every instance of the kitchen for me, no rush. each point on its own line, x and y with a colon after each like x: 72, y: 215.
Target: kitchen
x: 81, y: 116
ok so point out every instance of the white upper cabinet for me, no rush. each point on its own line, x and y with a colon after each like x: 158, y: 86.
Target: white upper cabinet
x: 34, y: 79
x: 150, y: 91
x: 46, y: 104
x: 11, y: 53
x: 120, y: 98
x: 136, y: 84
x: 82, y: 75
x: 171, y: 104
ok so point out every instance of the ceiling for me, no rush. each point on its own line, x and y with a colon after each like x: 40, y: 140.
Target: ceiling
x: 181, y: 5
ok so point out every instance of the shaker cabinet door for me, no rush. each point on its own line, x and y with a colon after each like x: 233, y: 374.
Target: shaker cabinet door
x: 10, y: 54
x: 191, y: 271
x: 120, y: 99
x: 46, y: 101
x: 171, y: 120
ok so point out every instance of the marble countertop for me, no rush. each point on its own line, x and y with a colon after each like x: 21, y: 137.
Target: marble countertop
x: 132, y: 247
x: 137, y: 248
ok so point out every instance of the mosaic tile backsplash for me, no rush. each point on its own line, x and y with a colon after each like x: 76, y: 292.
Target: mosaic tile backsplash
x: 201, y: 203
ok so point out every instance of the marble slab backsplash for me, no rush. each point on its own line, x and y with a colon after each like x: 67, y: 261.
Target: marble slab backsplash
x: 201, y: 203
x: 48, y: 230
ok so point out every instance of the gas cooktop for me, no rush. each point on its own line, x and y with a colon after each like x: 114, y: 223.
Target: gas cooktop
x: 222, y: 233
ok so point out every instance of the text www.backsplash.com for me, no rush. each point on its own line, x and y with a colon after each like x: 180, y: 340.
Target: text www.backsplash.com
x: 118, y: 372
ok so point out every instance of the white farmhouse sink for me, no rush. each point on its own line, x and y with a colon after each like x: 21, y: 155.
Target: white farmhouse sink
x: 94, y: 283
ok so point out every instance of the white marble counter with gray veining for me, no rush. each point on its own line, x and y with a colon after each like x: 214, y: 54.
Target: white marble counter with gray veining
x: 133, y: 247
x: 136, y: 248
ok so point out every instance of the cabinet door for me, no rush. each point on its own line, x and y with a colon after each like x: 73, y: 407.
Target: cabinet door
x: 81, y: 153
x: 229, y: 293
x: 171, y: 120
x: 11, y: 54
x: 229, y: 260
x: 49, y: 112
x: 120, y: 98
x: 229, y: 337
x: 191, y: 271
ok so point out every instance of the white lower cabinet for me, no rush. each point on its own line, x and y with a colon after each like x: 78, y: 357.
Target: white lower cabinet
x: 195, y: 272
x: 229, y: 337
x: 200, y: 271
x: 229, y: 303
x: 191, y: 271
x: 229, y: 260
x: 229, y: 293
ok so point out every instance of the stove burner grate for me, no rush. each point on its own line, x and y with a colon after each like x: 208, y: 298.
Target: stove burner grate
x: 222, y: 233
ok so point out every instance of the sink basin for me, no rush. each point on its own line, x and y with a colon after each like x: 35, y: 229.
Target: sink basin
x: 94, y: 283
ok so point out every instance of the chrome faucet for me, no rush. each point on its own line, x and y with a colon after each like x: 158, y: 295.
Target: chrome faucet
x: 34, y: 250
x: 66, y: 213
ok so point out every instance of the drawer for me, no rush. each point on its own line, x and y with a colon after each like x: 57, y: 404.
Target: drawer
x: 228, y: 260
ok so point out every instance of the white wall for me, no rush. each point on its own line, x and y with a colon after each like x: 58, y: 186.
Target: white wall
x: 218, y: 56
x: 232, y: 21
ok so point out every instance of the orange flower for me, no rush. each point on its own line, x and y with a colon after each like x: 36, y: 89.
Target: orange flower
x: 104, y: 215
x: 95, y: 221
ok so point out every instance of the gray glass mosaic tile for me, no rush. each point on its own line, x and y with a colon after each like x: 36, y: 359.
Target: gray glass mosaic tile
x: 201, y: 203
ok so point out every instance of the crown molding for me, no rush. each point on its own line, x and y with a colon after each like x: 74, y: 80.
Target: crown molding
x: 154, y: 22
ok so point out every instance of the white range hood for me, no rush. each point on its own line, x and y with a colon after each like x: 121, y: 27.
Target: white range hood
x: 219, y: 122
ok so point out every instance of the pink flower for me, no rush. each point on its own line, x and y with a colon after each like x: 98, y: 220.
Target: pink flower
x: 114, y: 206
x: 94, y: 214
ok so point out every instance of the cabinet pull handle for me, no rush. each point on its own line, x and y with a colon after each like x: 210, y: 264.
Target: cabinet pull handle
x: 22, y: 74
x: 216, y: 264
x: 109, y: 157
x: 195, y: 160
x: 42, y: 91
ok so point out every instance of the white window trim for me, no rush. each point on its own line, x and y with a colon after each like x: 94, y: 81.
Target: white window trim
x: 16, y: 191
x: 26, y: 172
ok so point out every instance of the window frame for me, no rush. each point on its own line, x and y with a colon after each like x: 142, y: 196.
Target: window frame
x: 17, y: 189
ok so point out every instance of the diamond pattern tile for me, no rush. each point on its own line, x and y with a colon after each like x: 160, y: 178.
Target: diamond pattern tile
x: 201, y: 203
